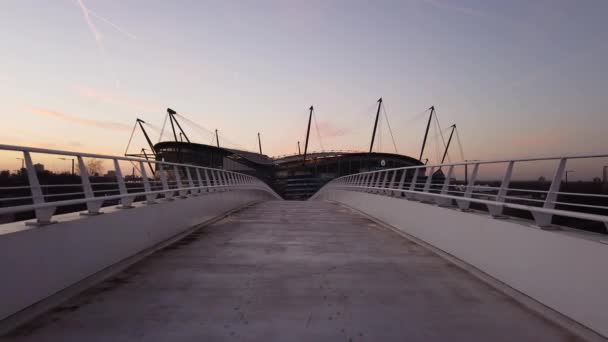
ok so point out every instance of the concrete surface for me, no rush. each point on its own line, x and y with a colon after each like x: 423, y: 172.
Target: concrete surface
x: 38, y: 262
x: 557, y: 269
x: 292, y: 271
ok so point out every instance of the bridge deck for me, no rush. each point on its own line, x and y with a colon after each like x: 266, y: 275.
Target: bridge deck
x: 284, y: 271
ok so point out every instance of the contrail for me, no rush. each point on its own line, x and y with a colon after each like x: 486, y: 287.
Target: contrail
x: 87, y: 18
x: 98, y: 40
x: 118, y: 28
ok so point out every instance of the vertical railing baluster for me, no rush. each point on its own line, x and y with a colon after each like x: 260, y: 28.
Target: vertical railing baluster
x: 392, y: 182
x: 370, y: 183
x: 544, y: 220
x: 402, y: 179
x: 446, y: 183
x: 378, y: 179
x: 167, y: 192
x: 465, y: 204
x: 413, y: 183
x: 93, y: 205
x: 214, y: 180
x: 496, y: 209
x: 126, y: 200
x: 429, y: 171
x: 429, y: 178
x: 147, y: 188
x: 199, y: 179
x: 178, y: 181
x: 43, y: 215
x: 445, y: 189
x: 190, y: 181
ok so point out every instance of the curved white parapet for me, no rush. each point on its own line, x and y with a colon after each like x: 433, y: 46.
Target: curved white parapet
x: 563, y: 270
x: 38, y: 262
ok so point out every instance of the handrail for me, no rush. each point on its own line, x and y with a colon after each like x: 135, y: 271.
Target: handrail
x: 170, y: 180
x: 425, y: 184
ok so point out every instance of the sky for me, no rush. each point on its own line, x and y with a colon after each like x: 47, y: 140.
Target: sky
x: 519, y: 78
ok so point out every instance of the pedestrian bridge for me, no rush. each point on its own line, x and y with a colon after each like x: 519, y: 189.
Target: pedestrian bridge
x: 192, y: 253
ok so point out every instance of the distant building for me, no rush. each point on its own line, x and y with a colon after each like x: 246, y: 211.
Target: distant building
x: 110, y: 174
x: 39, y: 168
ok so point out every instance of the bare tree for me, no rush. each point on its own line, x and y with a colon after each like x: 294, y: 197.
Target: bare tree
x: 94, y: 166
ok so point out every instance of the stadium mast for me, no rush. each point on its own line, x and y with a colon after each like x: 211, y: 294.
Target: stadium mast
x: 307, y: 135
x: 260, y: 142
x: 428, y: 126
x: 371, y: 146
x: 172, y: 118
x: 141, y: 122
x: 445, y: 153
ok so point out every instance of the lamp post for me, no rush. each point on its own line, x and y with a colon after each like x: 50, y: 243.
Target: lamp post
x: 22, y: 163
x: 72, y: 159
x: 567, y: 172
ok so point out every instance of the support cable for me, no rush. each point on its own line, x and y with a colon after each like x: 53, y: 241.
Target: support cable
x: 389, y: 128
x: 459, y: 144
x: 441, y: 134
x: 379, y: 149
x: 131, y: 137
x: 162, y: 131
x: 314, y: 117
x: 436, y: 140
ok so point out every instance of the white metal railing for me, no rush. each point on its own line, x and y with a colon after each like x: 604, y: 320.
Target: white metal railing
x: 163, y: 180
x: 438, y: 184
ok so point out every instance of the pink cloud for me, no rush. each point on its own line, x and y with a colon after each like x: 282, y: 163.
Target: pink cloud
x: 111, y: 97
x: 82, y: 121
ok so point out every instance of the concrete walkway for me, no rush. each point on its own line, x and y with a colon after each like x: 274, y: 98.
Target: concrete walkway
x: 292, y: 271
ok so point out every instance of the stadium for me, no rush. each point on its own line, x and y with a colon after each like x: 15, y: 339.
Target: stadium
x: 294, y: 177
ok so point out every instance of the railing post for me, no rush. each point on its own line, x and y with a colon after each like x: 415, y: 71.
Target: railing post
x: 370, y: 183
x: 465, y: 204
x: 193, y: 192
x: 427, y: 184
x: 147, y: 188
x: 543, y: 220
x: 496, y: 209
x: 220, y: 179
x: 208, y: 183
x: 227, y: 178
x: 93, y: 205
x: 429, y: 179
x: 125, y: 201
x: 168, y: 194
x: 199, y: 180
x: 445, y: 189
x: 391, y: 184
x: 358, y: 180
x: 410, y: 195
x: 224, y: 175
x: 378, y: 180
x: 401, y: 181
x: 178, y: 181
x: 382, y: 180
x: 43, y: 215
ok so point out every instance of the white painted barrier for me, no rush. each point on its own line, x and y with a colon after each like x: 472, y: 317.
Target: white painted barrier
x: 37, y: 262
x: 565, y: 271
